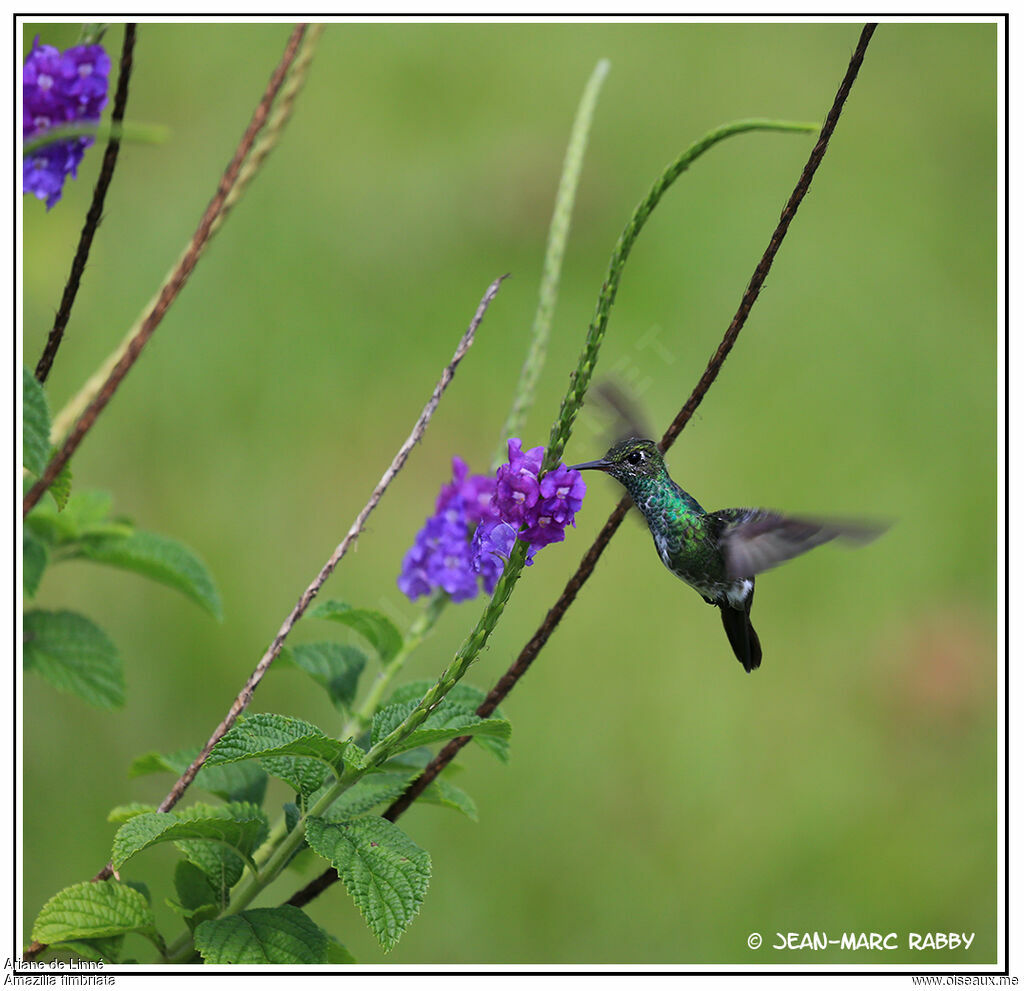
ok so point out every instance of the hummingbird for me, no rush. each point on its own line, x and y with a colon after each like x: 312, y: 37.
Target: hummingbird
x: 717, y: 554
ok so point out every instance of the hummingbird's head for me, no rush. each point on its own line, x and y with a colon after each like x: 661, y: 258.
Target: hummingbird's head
x: 629, y: 461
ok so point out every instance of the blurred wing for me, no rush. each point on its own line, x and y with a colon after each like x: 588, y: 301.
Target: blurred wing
x: 623, y: 405
x: 754, y: 540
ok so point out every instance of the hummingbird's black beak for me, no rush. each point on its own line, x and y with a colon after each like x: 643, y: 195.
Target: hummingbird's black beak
x: 599, y: 465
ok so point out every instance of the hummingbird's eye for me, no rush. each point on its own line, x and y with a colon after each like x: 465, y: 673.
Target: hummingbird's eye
x: 635, y: 457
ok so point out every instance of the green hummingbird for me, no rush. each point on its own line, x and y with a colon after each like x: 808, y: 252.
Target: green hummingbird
x: 717, y: 553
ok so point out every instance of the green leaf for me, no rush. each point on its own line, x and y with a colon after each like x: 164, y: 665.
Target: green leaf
x: 468, y: 696
x: 447, y: 721
x: 74, y: 655
x: 442, y: 792
x: 194, y: 889
x: 335, y: 666
x: 122, y: 813
x: 86, y: 512
x: 94, y: 911
x: 384, y: 871
x: 35, y: 427
x: 374, y: 789
x: 60, y: 489
x: 240, y: 826
x: 164, y: 560
x: 221, y: 865
x: 106, y: 950
x: 242, y: 782
x: 372, y: 626
x: 33, y: 557
x: 284, y: 935
x: 301, y: 774
x: 269, y: 734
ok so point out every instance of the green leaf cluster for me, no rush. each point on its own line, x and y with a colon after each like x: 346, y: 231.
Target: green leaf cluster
x: 67, y: 649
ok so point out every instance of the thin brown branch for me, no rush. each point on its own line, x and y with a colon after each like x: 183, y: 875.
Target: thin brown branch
x: 95, y: 214
x: 175, y: 284
x: 590, y: 559
x: 244, y: 697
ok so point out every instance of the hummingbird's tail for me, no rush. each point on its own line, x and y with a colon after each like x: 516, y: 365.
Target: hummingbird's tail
x: 741, y: 633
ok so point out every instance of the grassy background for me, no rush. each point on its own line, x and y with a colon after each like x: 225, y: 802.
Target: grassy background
x: 660, y: 804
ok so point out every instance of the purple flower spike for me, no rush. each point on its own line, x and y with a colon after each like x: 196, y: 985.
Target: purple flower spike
x: 59, y: 89
x: 478, y: 519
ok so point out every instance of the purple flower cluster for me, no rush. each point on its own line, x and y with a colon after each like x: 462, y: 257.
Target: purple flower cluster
x: 59, y: 88
x: 477, y: 520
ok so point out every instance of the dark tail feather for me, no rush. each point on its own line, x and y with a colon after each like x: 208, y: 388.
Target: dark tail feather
x: 742, y: 636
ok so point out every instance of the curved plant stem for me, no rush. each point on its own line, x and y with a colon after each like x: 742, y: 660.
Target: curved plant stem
x: 95, y: 214
x: 419, y: 630
x: 268, y: 140
x: 580, y: 379
x: 558, y: 236
x: 174, y: 285
x: 245, y: 696
x: 559, y: 434
x: 586, y: 567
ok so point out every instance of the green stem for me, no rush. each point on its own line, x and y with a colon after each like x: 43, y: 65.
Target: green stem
x: 418, y: 632
x: 558, y: 237
x: 580, y: 379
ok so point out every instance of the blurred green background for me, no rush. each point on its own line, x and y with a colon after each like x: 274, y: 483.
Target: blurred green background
x: 660, y: 804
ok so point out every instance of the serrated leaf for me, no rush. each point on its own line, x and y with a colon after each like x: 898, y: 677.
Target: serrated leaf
x: 334, y: 666
x: 60, y: 488
x: 266, y: 734
x: 35, y: 425
x: 160, y: 558
x: 33, y: 563
x: 74, y: 655
x: 374, y: 627
x: 441, y: 792
x: 85, y: 512
x: 463, y: 694
x: 284, y: 935
x: 101, y: 950
x: 122, y: 813
x: 383, y: 870
x: 301, y: 774
x: 446, y: 722
x: 374, y: 789
x: 193, y: 887
x: 93, y: 911
x: 221, y: 865
x: 240, y: 826
x: 242, y: 782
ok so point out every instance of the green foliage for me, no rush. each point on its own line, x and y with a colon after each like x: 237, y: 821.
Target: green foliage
x: 35, y: 427
x: 447, y: 721
x: 94, y: 911
x: 374, y: 627
x: 383, y: 870
x: 221, y: 865
x: 284, y: 935
x: 67, y: 649
x: 36, y: 437
x: 334, y: 666
x: 468, y: 696
x: 164, y: 560
x: 443, y: 792
x: 243, y: 782
x: 74, y: 655
x: 122, y: 813
x: 291, y: 749
x: 33, y: 557
x: 240, y: 826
